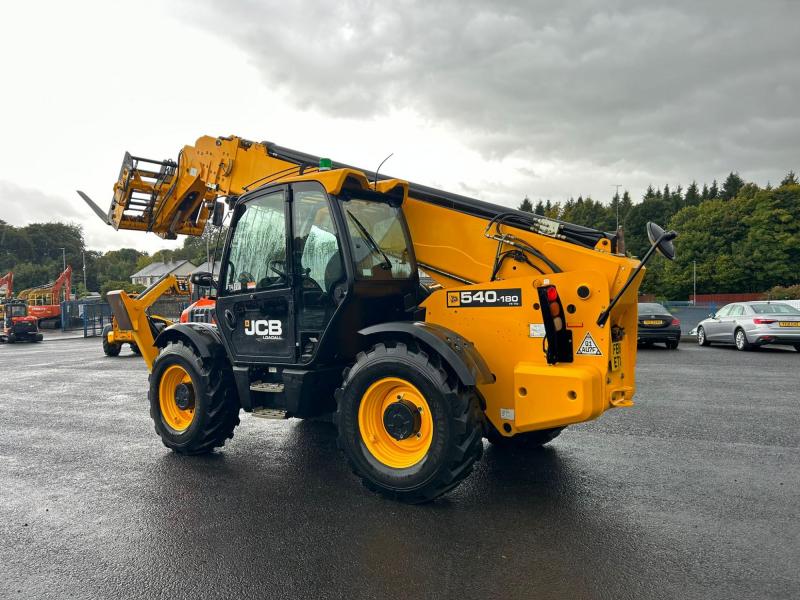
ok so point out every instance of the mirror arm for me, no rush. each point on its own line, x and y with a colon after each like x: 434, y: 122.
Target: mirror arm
x: 601, y: 320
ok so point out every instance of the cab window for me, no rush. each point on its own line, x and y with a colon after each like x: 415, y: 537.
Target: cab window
x: 257, y: 256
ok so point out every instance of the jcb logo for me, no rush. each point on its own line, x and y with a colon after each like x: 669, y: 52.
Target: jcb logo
x: 263, y: 327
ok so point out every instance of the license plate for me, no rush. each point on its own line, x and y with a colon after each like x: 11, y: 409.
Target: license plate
x: 616, y: 356
x: 788, y: 324
x: 653, y: 322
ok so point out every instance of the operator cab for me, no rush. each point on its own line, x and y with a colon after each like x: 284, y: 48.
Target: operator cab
x: 304, y: 268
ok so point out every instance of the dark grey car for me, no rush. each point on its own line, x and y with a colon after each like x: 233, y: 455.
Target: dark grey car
x: 751, y: 324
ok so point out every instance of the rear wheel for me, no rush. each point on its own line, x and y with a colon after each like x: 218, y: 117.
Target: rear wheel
x: 740, y: 339
x: 672, y: 344
x: 701, y: 337
x: 522, y: 441
x: 110, y: 348
x: 135, y: 349
x: 407, y: 427
x: 12, y: 338
x: 797, y: 347
x: 193, y: 402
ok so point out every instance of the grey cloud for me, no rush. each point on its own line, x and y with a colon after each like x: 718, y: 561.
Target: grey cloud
x: 21, y: 205
x: 681, y: 89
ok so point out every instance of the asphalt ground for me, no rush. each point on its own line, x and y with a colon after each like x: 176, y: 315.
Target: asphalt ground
x: 692, y: 493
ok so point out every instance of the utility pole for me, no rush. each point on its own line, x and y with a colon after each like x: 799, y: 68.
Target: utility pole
x: 64, y: 257
x: 694, y: 283
x: 83, y: 257
x: 617, y: 185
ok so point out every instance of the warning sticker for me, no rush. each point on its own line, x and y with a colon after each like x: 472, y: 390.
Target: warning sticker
x: 588, y: 346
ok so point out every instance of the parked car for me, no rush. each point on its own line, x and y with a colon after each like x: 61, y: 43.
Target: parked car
x: 748, y: 325
x: 657, y: 325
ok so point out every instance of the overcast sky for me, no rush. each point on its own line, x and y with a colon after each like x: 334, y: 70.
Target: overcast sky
x: 495, y: 100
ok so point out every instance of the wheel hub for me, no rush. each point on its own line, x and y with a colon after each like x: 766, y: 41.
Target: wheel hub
x: 184, y: 396
x: 402, y: 419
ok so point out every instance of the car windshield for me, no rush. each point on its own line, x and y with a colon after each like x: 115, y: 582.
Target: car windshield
x: 17, y: 311
x: 769, y: 308
x: 652, y: 308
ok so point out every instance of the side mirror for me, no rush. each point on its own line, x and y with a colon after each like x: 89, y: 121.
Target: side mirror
x: 202, y: 279
x: 662, y: 240
x: 218, y: 214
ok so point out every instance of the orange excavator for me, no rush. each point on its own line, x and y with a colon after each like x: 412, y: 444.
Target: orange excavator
x: 44, y: 301
x: 6, y: 291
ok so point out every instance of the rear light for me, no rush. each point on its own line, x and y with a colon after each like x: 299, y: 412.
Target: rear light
x: 676, y: 322
x: 558, y: 337
x: 763, y: 321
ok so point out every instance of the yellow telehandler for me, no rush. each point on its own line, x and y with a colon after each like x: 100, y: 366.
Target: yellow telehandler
x: 320, y: 310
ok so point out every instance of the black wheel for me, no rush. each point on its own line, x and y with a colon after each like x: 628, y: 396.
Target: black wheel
x: 740, y: 339
x: 408, y: 428
x: 12, y: 338
x: 672, y: 344
x: 193, y: 402
x: 110, y: 348
x: 797, y: 347
x: 521, y: 441
x: 701, y: 337
x: 135, y: 349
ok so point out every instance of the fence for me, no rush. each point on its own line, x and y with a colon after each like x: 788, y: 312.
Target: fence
x: 92, y: 317
x: 95, y: 316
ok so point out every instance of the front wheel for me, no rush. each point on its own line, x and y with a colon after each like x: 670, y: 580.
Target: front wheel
x: 406, y: 426
x: 702, y: 340
x: 110, y: 348
x: 193, y: 401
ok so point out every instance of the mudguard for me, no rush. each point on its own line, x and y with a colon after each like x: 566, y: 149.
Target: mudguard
x: 203, y: 337
x: 458, y: 352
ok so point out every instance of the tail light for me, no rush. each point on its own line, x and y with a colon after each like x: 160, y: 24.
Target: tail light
x: 763, y: 321
x: 559, y: 338
x: 676, y: 322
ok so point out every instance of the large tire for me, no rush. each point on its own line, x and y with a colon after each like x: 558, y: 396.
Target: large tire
x: 135, y: 349
x: 702, y: 340
x: 12, y: 338
x: 740, y: 340
x: 522, y: 441
x: 672, y: 344
x: 209, y: 409
x: 448, y: 438
x: 797, y: 347
x: 110, y: 348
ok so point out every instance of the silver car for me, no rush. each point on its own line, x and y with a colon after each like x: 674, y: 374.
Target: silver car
x: 748, y: 325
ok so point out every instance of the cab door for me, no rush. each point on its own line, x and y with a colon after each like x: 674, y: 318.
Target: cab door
x: 255, y: 302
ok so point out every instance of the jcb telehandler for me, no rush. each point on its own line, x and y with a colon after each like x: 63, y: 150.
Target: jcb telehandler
x: 319, y: 310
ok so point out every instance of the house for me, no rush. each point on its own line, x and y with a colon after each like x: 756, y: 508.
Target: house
x: 155, y: 271
x: 206, y: 268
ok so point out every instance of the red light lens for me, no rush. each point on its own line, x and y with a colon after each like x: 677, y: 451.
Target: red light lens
x: 676, y: 322
x: 552, y: 294
x: 763, y: 321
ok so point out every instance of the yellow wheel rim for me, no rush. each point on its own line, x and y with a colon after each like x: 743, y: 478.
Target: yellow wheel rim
x: 394, y: 453
x: 173, y: 388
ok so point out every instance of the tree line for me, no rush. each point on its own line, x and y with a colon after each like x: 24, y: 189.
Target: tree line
x: 737, y: 237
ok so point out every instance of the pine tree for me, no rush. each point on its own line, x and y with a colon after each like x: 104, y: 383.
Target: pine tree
x: 692, y: 197
x: 539, y: 210
x: 548, y: 209
x: 790, y: 179
x: 649, y: 194
x: 731, y: 186
x: 713, y: 191
x: 526, y: 205
x: 706, y: 193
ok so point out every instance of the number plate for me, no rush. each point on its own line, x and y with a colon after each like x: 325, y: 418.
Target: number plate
x: 788, y: 324
x: 653, y: 322
x: 616, y: 356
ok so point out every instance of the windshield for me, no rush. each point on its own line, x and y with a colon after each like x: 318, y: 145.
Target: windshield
x: 17, y: 310
x: 774, y: 309
x: 380, y: 245
x: 652, y: 307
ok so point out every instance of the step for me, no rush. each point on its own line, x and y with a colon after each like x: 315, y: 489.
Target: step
x: 269, y: 388
x: 269, y: 413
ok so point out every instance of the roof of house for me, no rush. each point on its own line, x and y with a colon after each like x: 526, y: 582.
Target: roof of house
x: 159, y: 269
x: 205, y: 268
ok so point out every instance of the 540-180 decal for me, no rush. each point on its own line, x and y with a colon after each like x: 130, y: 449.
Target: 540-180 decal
x: 484, y: 298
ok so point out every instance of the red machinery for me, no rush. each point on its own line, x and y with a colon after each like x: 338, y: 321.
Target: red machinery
x: 17, y: 325
x: 44, y: 302
x: 7, y: 285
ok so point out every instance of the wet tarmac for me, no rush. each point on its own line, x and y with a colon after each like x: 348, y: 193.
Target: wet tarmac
x: 692, y: 493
